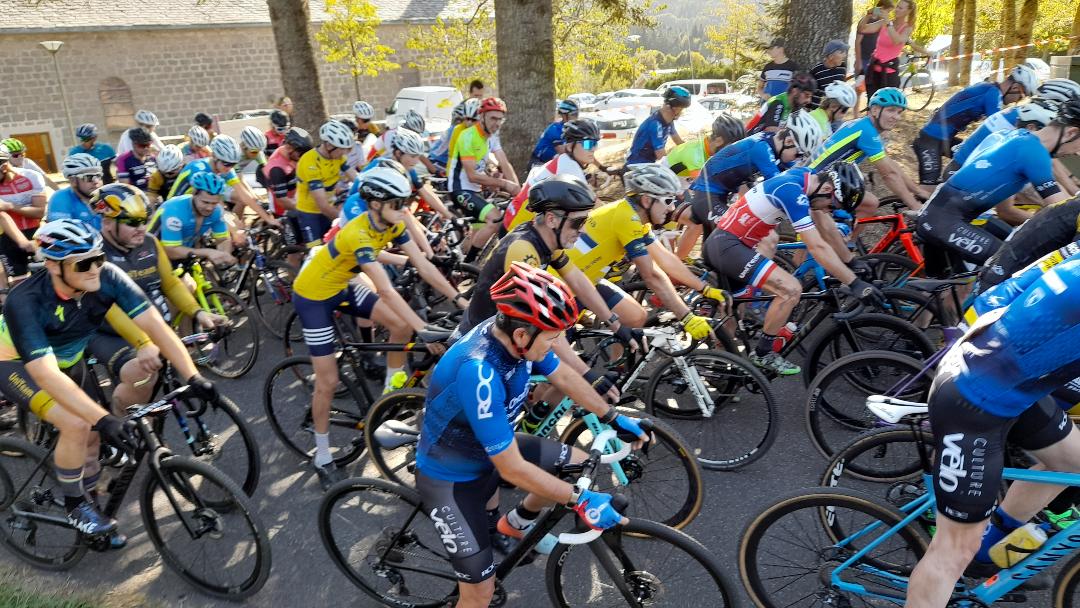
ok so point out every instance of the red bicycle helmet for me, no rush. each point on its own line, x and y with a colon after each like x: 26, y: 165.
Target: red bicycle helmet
x: 535, y: 296
x: 492, y: 104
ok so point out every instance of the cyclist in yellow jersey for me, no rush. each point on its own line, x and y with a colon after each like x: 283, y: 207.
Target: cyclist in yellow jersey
x: 687, y: 159
x: 623, y: 229
x: 318, y: 174
x: 325, y: 285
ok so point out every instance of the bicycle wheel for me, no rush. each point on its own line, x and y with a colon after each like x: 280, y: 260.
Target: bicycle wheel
x: 205, y: 529
x: 45, y: 544
x: 836, y: 409
x: 919, y: 89
x: 234, y: 354
x: 892, y: 269
x: 640, y: 564
x: 921, y: 309
x: 665, y: 479
x: 287, y: 399
x: 219, y: 437
x: 789, y: 551
x: 745, y: 419
x: 272, y: 295
x: 869, y: 331
x: 403, y: 414
x: 1067, y: 585
x: 292, y: 336
x: 361, y: 524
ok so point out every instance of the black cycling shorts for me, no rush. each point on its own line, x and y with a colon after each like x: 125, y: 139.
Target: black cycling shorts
x: 731, y: 258
x: 110, y: 350
x: 970, y: 448
x: 19, y: 388
x: 458, y: 508
x: 928, y: 151
x: 16, y: 261
x: 472, y: 206
x: 948, y: 237
x: 706, y: 209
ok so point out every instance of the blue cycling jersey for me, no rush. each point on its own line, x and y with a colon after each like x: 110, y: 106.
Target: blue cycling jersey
x: 98, y: 150
x: 1000, y: 171
x: 545, y: 147
x: 440, y: 152
x: 477, y: 391
x: 1004, y: 120
x: 962, y: 109
x: 175, y: 223
x: 1028, y: 347
x: 855, y: 141
x: 738, y: 164
x: 65, y: 204
x: 202, y: 165
x: 354, y: 204
x: 651, y: 136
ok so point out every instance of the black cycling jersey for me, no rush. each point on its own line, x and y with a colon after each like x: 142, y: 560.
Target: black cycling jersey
x: 1051, y: 228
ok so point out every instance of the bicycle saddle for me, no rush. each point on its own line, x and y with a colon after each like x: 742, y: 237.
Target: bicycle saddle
x: 934, y: 285
x: 432, y: 334
x: 891, y: 409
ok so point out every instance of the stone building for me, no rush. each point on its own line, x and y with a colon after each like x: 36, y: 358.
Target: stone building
x: 172, y: 57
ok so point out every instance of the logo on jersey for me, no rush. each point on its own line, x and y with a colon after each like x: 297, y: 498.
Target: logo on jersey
x: 174, y: 223
x: 59, y: 312
x: 483, y: 393
x: 982, y: 164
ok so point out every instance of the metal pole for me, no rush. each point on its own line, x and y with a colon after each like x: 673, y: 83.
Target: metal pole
x: 63, y: 99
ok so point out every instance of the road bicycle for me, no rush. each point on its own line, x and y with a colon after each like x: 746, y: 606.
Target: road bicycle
x: 917, y: 82
x: 264, y: 284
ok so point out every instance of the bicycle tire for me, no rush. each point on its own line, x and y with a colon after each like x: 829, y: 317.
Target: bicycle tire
x: 833, y: 419
x: 637, y: 467
x: 919, y: 96
x: 294, y: 430
x: 820, y: 503
x: 827, y: 342
x: 733, y: 381
x: 244, y: 469
x: 1066, y: 591
x: 273, y: 311
x: 891, y: 269
x: 18, y: 460
x: 224, y: 358
x: 639, y: 573
x: 921, y: 309
x: 407, y: 407
x: 230, y: 501
x: 331, y: 518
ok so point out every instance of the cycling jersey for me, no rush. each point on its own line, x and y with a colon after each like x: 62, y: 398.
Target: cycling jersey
x: 133, y: 170
x: 259, y: 161
x: 148, y: 266
x: 855, y: 141
x: 687, y: 159
x: 545, y: 147
x: 19, y: 188
x: 330, y: 268
x: 66, y: 204
x: 516, y: 212
x: 160, y: 184
x: 381, y: 145
x: 37, y: 321
x: 315, y: 172
x: 1048, y: 230
x: 440, y: 152
x: 773, y: 113
x: 354, y: 204
x: 100, y: 151
x: 177, y: 225
x: 279, y: 172
x: 192, y: 153
x: 205, y: 165
x: 273, y: 140
x: 612, y: 232
x: 477, y: 390
x: 1004, y: 120
x: 758, y: 211
x: 651, y: 137
x: 737, y: 164
x: 472, y: 145
x: 962, y: 109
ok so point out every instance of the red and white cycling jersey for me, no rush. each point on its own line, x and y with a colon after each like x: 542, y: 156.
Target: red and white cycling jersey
x: 562, y: 164
x: 758, y: 211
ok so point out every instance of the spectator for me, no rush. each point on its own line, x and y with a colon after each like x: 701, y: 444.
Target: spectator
x: 832, y: 68
x: 866, y: 40
x: 476, y: 89
x: 285, y: 105
x: 776, y: 74
x: 884, y: 68
x: 88, y: 144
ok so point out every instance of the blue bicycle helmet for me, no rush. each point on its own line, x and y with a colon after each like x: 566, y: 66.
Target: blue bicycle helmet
x: 889, y: 97
x: 86, y: 131
x: 207, y: 182
x: 68, y: 238
x: 677, y: 97
x: 567, y: 106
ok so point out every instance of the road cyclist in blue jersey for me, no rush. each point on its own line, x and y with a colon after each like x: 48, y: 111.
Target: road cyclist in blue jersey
x: 651, y: 138
x: 84, y: 176
x: 468, y: 444
x: 550, y: 142
x: 88, y: 144
x: 182, y: 222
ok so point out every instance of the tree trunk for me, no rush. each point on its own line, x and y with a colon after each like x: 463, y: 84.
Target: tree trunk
x: 1074, y: 44
x: 290, y: 21
x: 809, y: 24
x: 1025, y: 23
x: 526, y: 59
x: 969, y: 41
x: 954, y: 43
x: 1008, y: 30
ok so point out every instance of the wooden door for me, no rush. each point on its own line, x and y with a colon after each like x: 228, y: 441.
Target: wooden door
x: 39, y: 148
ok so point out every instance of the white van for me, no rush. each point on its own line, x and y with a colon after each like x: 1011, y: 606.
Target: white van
x: 700, y: 86
x: 434, y: 103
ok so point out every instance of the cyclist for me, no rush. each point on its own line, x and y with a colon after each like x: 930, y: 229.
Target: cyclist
x: 197, y: 146
x: 279, y: 126
x: 279, y: 175
x: 412, y: 121
x: 774, y: 112
x: 47, y: 322
x: 206, y: 121
x: 994, y: 385
x: 318, y: 172
x: 802, y: 197
x: 365, y: 114
x: 988, y: 180
x: 170, y: 161
x: 550, y: 142
x: 134, y: 167
x: 325, y: 285
x: 687, y: 159
x: 977, y: 101
x: 253, y: 147
x: 650, y: 140
x: 18, y: 158
x: 147, y: 120
x: 22, y: 196
x: 83, y: 173
x: 88, y: 143
x: 465, y: 114
x: 1032, y: 116
x: 468, y: 445
x: 860, y: 140
x: 182, y: 221
x: 123, y: 210
x: 836, y: 101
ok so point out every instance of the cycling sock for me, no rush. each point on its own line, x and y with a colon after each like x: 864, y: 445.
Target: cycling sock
x: 1001, y: 524
x: 70, y: 481
x: 322, y: 450
x: 764, y: 345
x: 521, y: 518
x: 470, y: 255
x: 90, y: 483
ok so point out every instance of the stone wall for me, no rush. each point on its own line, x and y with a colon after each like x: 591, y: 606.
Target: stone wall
x: 171, y: 72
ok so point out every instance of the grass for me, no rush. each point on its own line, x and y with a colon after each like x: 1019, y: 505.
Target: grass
x: 27, y: 588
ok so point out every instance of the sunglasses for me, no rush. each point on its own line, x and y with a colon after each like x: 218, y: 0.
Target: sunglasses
x: 589, y: 144
x: 228, y: 165
x: 87, y: 264
x: 576, y: 223
x: 16, y: 155
x: 667, y: 201
x: 140, y: 145
x: 92, y: 177
x: 134, y: 222
x: 281, y: 129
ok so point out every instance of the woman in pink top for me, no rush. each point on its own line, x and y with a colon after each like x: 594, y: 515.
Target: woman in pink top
x: 884, y: 69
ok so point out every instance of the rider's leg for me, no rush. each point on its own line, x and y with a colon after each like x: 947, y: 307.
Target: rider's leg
x: 689, y: 238
x: 953, y: 546
x: 400, y: 332
x: 71, y: 449
x: 548, y: 455
x: 787, y: 290
x: 326, y: 381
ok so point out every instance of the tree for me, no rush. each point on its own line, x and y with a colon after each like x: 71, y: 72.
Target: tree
x: 806, y: 25
x: 462, y: 49
x: 289, y: 20
x: 350, y: 38
x: 523, y: 35
x: 741, y: 28
x: 968, y: 46
x: 1025, y: 25
x: 1074, y: 47
x: 1008, y: 29
x: 591, y: 45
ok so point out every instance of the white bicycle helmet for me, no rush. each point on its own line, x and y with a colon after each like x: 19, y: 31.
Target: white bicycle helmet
x: 336, y: 134
x: 252, y: 138
x: 408, y: 142
x: 654, y: 179
x: 146, y: 117
x: 363, y: 110
x: 1026, y: 78
x: 1059, y: 90
x: 841, y: 92
x: 80, y: 164
x: 470, y: 108
x: 413, y: 121
x: 68, y: 238
x: 1039, y: 111
x: 198, y: 136
x: 384, y: 183
x: 806, y: 131
x: 170, y: 159
x: 226, y: 149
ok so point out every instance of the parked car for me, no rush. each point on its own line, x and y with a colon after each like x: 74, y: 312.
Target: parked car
x: 639, y: 102
x: 615, y: 125
x: 586, y: 101
x: 700, y: 86
x: 434, y: 103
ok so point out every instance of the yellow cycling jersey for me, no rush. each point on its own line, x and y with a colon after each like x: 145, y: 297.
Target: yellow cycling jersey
x: 315, y: 172
x: 329, y: 269
x: 613, y: 231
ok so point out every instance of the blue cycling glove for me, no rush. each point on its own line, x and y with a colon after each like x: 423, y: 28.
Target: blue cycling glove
x: 626, y: 426
x: 596, y: 511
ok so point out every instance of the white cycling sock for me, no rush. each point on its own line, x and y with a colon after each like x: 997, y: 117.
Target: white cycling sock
x: 517, y: 521
x: 322, y: 450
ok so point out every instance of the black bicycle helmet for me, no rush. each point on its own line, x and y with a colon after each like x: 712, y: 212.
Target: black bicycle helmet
x: 848, y: 185
x: 729, y: 128
x: 298, y: 139
x: 1068, y: 114
x: 279, y: 118
x: 561, y: 193
x: 204, y: 120
x: 803, y: 81
x: 677, y: 97
x: 582, y: 129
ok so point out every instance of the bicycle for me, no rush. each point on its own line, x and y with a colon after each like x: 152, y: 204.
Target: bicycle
x: 188, y: 508
x: 264, y: 284
x: 382, y: 539
x: 917, y: 82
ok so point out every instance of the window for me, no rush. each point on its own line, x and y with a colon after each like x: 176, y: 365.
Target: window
x: 115, y: 96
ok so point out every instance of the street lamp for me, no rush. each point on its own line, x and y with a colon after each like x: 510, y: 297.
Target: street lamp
x: 53, y: 47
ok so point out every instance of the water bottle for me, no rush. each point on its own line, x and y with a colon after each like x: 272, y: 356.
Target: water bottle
x: 534, y: 416
x: 784, y: 336
x: 546, y: 544
x: 1020, y: 543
